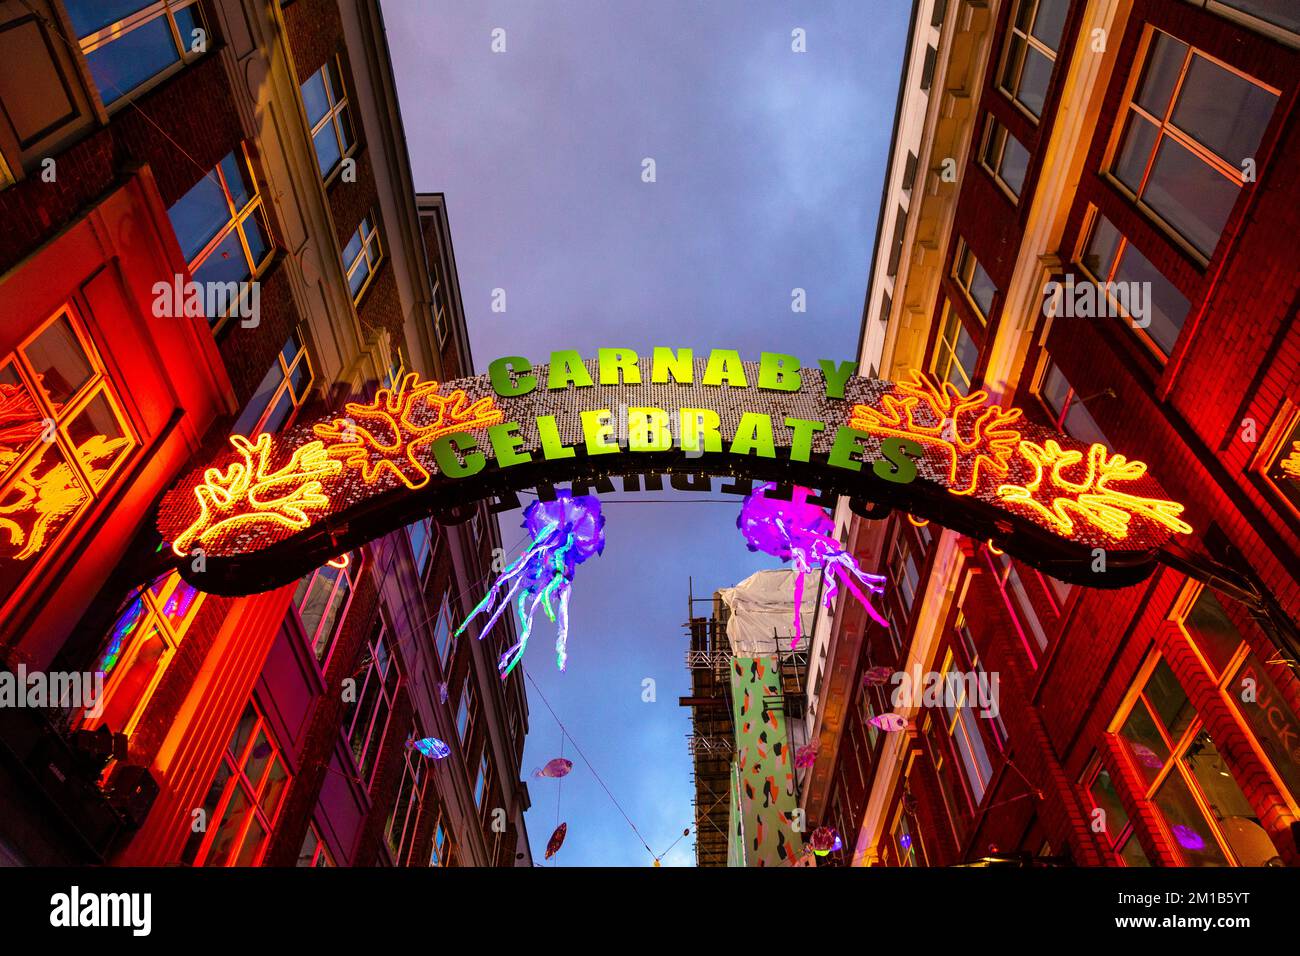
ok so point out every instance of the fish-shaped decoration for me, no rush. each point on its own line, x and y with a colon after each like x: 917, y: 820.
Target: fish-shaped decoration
x: 556, y: 841
x: 805, y: 756
x: 558, y: 767
x: 431, y: 747
x: 877, y: 676
x: 890, y: 723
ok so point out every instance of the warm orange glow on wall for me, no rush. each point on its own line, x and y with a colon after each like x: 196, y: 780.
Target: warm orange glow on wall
x: 249, y: 493
x: 974, y: 434
x: 389, y: 433
x: 1057, y: 499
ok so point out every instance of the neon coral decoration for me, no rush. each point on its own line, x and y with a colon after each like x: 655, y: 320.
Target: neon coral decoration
x: 975, y: 435
x: 804, y: 534
x: 565, y: 532
x: 250, y: 493
x: 391, y: 432
x: 1087, y: 495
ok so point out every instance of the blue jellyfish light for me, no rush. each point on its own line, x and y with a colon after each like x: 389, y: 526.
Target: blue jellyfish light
x: 804, y: 534
x: 565, y: 532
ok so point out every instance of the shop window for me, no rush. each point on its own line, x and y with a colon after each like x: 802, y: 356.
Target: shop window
x: 280, y: 394
x: 321, y: 603
x: 1109, y: 257
x: 1004, y: 158
x: 955, y: 352
x: 1191, y: 125
x: 244, y: 800
x: 1280, y: 464
x: 1118, y: 828
x: 63, y: 436
x: 366, y: 719
x: 1207, y: 818
x: 361, y: 257
x: 314, y: 852
x: 126, y: 43
x: 329, y: 116
x: 1032, y: 44
x: 221, y: 227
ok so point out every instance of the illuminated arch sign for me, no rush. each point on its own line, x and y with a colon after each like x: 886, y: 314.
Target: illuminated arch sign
x: 267, y: 510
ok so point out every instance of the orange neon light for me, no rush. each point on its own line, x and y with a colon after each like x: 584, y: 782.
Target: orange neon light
x: 1290, y: 465
x: 340, y: 562
x: 918, y: 522
x: 1089, y: 497
x: 975, y: 434
x: 387, y: 433
x: 250, y: 493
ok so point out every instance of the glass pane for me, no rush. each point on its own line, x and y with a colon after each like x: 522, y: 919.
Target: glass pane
x: 200, y: 214
x: 253, y: 841
x: 1249, y: 841
x: 375, y: 740
x: 59, y: 361
x: 243, y: 731
x: 1033, y: 81
x: 1015, y: 59
x: 967, y: 355
x: 1050, y: 21
x: 1187, y: 825
x: 127, y: 61
x: 982, y: 289
x: 308, y: 851
x: 146, y: 663
x: 1164, y: 63
x: 125, y: 628
x: 336, y: 81
x: 237, y: 181
x: 1167, y: 306
x: 280, y: 414
x: 1223, y: 110
x: 1271, y: 720
x: 178, y: 603
x: 1214, y: 635
x: 1168, y: 702
x: 1105, y: 796
x: 1189, y: 195
x: 47, y: 494
x: 359, y: 276
x: 266, y: 389
x: 273, y: 788
x: 327, y: 149
x: 325, y: 638
x: 1282, y: 13
x: 1099, y: 255
x: 352, y: 250
x: 345, y: 128
x: 215, y: 791
x: 225, y: 263
x: 187, y: 21
x: 1135, y: 152
x: 99, y: 439
x: 91, y: 16
x: 255, y: 234
x: 259, y: 756
x: 1133, y: 854
x: 1144, y: 743
x: 313, y: 597
x: 1055, y: 390
x: 21, y: 422
x: 314, y: 98
x: 1015, y: 163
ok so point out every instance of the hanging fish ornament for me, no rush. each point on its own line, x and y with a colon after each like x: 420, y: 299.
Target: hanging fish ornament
x: 805, y: 756
x: 431, y: 747
x: 890, y: 723
x: 559, y: 767
x: 877, y: 676
x: 804, y: 534
x: 556, y: 841
x: 565, y: 532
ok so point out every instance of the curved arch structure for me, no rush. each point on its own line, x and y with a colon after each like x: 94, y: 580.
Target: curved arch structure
x: 268, y: 510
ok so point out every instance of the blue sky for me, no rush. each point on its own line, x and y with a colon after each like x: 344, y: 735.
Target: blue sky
x: 768, y: 171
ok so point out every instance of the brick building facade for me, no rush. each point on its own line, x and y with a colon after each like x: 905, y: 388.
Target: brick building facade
x: 259, y: 144
x: 1088, y: 141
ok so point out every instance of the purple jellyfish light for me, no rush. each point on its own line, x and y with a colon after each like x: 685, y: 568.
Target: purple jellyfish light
x: 565, y: 532
x: 805, y: 534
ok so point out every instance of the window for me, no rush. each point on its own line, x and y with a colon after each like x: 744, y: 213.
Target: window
x: 443, y: 634
x: 463, y: 714
x: 62, y: 437
x: 127, y: 42
x: 1208, y: 819
x: 909, y: 172
x: 1234, y: 666
x: 423, y: 535
x: 441, y: 855
x: 970, y: 275
x: 321, y: 603
x: 937, y: 747
x: 314, y: 852
x: 1016, y: 596
x: 896, y: 246
x: 481, y: 782
x: 904, y: 573
x: 1279, y: 13
x: 927, y: 68
x: 1031, y: 52
x: 955, y: 352
x: 366, y: 719
x: 325, y: 100
x: 221, y: 226
x: 361, y: 257
x: 1067, y: 410
x: 1191, y: 124
x: 1004, y: 158
x: 244, y: 800
x: 282, y: 391
x: 1109, y: 257
x: 403, y: 820
x: 396, y: 370
x: 1280, y: 464
x: 140, y: 646
x: 1118, y: 828
x: 907, y: 846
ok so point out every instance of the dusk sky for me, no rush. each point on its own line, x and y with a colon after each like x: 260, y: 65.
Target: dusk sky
x: 768, y: 168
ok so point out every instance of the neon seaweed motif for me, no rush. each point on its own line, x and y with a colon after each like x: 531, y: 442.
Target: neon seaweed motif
x: 976, y: 436
x: 249, y: 493
x: 804, y: 534
x: 565, y: 532
x: 391, y: 432
x: 1088, y: 497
